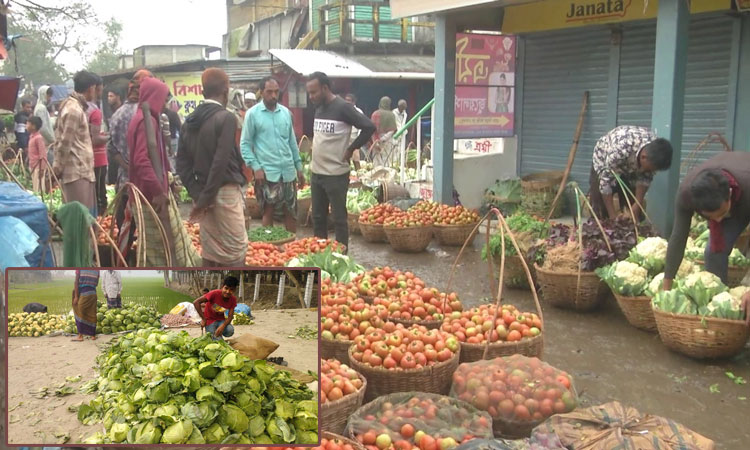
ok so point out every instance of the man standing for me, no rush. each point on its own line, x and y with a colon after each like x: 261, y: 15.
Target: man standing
x: 401, y: 116
x: 41, y: 111
x: 250, y: 100
x: 332, y: 151
x: 114, y: 100
x: 211, y: 169
x: 217, y: 303
x: 22, y: 116
x: 719, y: 190
x: 73, y: 155
x: 99, y: 142
x: 112, y: 287
x: 633, y: 154
x: 269, y: 148
x: 37, y: 155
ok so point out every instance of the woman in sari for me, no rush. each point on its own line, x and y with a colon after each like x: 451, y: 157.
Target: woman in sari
x: 84, y: 303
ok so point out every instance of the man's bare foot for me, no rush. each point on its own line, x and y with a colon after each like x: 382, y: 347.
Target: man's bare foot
x: 78, y: 339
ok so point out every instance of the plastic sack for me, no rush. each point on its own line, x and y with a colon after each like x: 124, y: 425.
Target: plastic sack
x: 541, y: 442
x: 178, y: 310
x: 613, y: 425
x: 242, y: 308
x: 402, y: 416
x: 19, y: 241
x: 518, y: 392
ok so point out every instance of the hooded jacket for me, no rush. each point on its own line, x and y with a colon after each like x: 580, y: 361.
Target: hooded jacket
x: 40, y: 110
x: 207, y: 155
x: 144, y: 171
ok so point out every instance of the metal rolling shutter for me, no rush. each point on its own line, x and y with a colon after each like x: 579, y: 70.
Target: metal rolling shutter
x: 558, y: 68
x: 636, y: 87
x: 707, y: 83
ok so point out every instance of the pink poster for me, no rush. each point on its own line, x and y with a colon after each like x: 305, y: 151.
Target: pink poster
x: 485, y: 80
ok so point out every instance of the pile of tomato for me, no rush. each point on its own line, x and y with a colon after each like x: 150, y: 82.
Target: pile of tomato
x: 250, y: 193
x: 408, y: 219
x: 447, y: 215
x: 263, y: 254
x: 395, y: 347
x: 409, y: 421
x: 310, y: 245
x: 325, y: 444
x: 337, y: 380
x: 475, y: 326
x: 107, y: 223
x: 377, y: 214
x: 515, y: 389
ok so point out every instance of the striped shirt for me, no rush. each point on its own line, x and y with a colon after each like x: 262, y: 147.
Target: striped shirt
x: 87, y: 281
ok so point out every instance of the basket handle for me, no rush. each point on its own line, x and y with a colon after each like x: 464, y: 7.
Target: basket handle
x: 504, y: 228
x: 710, y: 138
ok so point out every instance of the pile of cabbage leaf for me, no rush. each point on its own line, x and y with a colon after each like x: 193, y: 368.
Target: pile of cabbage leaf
x: 166, y: 387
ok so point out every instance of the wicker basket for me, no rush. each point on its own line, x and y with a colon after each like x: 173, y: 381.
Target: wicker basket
x: 743, y: 241
x: 429, y: 324
x: 409, y: 240
x: 561, y: 289
x: 533, y: 346
x: 334, y: 415
x: 253, y: 208
x: 539, y: 190
x: 353, y: 442
x: 353, y: 220
x: 454, y: 235
x: 281, y: 242
x: 701, y: 337
x: 514, y: 276
x: 637, y: 311
x: 335, y: 349
x: 735, y: 275
x: 303, y: 211
x: 372, y: 233
x: 435, y: 379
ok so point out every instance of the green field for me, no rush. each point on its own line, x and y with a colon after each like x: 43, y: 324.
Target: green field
x: 56, y: 295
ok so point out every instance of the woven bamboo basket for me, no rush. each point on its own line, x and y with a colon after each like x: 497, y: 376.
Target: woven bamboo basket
x: 743, y: 241
x: 454, y: 235
x: 334, y: 415
x: 372, y: 233
x: 353, y: 442
x: 533, y: 346
x: 281, y: 242
x: 429, y: 324
x: 335, y: 349
x: 735, y: 275
x: 539, y: 190
x: 303, y: 211
x: 561, y: 289
x: 514, y: 276
x: 253, y: 208
x: 409, y: 240
x: 637, y: 311
x: 435, y: 379
x: 701, y: 337
x: 353, y: 220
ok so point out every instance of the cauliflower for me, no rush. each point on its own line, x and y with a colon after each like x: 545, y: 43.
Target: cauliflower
x: 724, y: 306
x: 726, y: 297
x: 739, y: 291
x: 707, y: 280
x: 701, y: 287
x: 630, y: 273
x: 650, y: 253
x: 625, y: 278
x: 686, y: 268
x: 737, y: 259
x: 655, y: 285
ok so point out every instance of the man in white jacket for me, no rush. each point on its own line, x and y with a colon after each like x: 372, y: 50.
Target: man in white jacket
x: 401, y: 116
x: 112, y: 287
x: 40, y: 110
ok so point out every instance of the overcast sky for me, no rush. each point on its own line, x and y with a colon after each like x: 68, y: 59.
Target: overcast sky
x: 159, y: 22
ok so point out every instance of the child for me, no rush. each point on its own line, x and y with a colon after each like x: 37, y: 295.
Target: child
x: 217, y: 302
x: 37, y: 154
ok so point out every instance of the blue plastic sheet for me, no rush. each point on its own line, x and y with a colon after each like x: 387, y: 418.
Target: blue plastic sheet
x: 16, y: 202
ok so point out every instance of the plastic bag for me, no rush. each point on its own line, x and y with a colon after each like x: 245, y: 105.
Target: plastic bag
x: 402, y: 416
x: 613, y: 425
x: 516, y: 390
x: 18, y: 239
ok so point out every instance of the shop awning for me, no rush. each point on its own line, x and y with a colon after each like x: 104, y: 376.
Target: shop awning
x: 392, y: 67
x: 408, y: 8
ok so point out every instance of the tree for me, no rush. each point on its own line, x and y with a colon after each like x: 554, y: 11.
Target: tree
x: 46, y: 32
x: 106, y: 58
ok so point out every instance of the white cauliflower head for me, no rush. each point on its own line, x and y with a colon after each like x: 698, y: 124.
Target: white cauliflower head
x: 708, y: 279
x: 726, y: 297
x: 739, y: 291
x: 630, y: 273
x: 686, y: 268
x: 654, y: 247
x: 655, y: 285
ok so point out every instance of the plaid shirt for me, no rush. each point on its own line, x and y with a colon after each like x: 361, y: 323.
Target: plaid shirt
x: 74, y: 154
x: 617, y: 151
x: 118, y: 136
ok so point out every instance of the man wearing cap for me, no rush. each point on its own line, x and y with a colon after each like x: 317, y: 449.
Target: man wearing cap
x: 250, y: 100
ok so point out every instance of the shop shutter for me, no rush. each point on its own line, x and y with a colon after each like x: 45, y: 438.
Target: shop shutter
x: 636, y: 87
x: 559, y: 66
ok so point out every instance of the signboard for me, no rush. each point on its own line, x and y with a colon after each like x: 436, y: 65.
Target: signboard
x: 485, y: 79
x: 186, y: 89
x: 557, y: 14
x: 479, y: 146
x: 743, y: 5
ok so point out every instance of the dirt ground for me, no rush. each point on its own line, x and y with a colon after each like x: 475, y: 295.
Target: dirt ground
x: 34, y: 363
x: 609, y: 359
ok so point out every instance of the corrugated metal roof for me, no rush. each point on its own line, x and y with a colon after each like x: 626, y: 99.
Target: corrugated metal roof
x: 238, y: 70
x: 371, y: 66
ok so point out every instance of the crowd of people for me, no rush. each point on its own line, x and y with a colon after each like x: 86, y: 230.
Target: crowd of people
x: 232, y: 139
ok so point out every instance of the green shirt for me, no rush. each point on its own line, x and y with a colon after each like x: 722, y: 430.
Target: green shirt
x: 268, y: 143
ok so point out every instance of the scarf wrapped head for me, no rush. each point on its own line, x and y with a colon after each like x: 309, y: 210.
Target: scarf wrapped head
x: 135, y: 83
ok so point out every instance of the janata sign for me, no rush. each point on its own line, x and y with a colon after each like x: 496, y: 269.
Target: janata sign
x: 556, y: 14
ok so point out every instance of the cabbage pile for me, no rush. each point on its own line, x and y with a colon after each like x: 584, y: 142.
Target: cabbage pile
x: 166, y: 387
x: 131, y: 316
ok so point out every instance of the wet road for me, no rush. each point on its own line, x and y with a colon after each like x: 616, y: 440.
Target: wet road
x: 609, y: 359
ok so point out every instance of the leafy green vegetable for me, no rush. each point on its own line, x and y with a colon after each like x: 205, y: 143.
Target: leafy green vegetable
x: 525, y: 228
x: 304, y: 193
x: 269, y: 234
x: 358, y: 200
x: 341, y: 268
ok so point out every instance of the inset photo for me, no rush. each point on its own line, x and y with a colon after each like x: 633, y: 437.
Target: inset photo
x: 142, y: 356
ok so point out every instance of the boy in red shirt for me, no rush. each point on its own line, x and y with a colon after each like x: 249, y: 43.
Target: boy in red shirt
x: 37, y: 153
x: 217, y: 302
